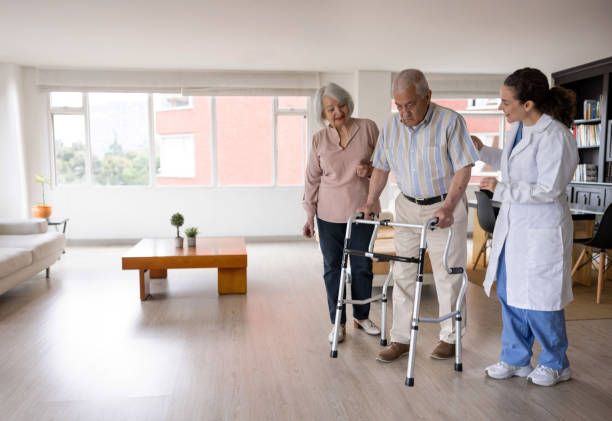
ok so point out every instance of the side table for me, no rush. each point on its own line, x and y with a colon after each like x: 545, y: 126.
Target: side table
x: 56, y: 222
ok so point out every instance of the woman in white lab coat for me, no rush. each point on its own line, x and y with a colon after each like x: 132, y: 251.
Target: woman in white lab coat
x: 532, y: 241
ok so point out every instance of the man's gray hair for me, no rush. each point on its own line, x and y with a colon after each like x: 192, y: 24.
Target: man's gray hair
x: 407, y: 77
x: 333, y: 91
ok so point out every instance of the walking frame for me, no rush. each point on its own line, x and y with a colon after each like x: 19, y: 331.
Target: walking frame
x: 420, y: 261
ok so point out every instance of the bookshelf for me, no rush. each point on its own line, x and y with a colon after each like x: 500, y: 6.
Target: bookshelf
x: 592, y: 187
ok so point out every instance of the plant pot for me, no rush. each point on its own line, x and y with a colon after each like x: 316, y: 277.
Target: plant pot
x: 41, y: 211
x: 178, y: 242
x: 191, y: 241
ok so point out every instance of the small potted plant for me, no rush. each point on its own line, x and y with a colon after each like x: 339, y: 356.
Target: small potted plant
x: 177, y: 220
x: 191, y: 233
x: 41, y: 210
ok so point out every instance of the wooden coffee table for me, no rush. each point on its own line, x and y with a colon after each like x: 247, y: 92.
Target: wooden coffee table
x: 153, y: 258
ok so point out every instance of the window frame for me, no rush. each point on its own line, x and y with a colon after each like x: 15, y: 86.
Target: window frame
x: 214, y: 167
x: 51, y: 112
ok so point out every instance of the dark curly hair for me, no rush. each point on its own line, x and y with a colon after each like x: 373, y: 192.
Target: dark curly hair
x: 531, y: 85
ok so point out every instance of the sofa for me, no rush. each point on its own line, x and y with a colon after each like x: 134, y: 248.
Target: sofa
x: 26, y: 248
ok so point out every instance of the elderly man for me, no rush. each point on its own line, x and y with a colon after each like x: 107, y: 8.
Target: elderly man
x: 430, y: 152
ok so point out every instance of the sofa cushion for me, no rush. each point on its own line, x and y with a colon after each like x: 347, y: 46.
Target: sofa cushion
x: 41, y: 245
x: 13, y: 259
x: 22, y: 226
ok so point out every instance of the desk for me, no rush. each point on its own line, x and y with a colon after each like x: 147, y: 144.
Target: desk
x: 584, y: 222
x: 153, y: 258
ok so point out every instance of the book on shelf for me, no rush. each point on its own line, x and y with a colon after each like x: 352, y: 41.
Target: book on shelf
x: 586, y: 172
x: 591, y: 109
x: 587, y: 134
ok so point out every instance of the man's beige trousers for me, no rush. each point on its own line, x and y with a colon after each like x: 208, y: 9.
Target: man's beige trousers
x: 407, y: 243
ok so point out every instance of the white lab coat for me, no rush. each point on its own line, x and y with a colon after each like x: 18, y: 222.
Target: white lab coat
x: 534, y: 220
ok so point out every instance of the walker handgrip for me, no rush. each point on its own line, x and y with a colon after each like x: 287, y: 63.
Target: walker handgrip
x: 433, y: 222
x: 359, y: 215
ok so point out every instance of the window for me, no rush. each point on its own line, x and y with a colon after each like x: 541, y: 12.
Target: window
x: 244, y: 140
x: 291, y: 143
x: 69, y: 146
x: 483, y: 103
x: 119, y: 132
x: 483, y: 120
x: 120, y: 139
x: 176, y: 156
x: 172, y: 129
x: 66, y: 100
x: 167, y: 102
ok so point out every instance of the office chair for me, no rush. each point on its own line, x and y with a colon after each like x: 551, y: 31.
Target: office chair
x: 486, y: 219
x: 599, y: 243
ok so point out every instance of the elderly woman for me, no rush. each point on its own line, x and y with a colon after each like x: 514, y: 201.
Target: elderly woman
x: 336, y: 183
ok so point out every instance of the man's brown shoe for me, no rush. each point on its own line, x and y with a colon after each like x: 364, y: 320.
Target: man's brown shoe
x: 443, y: 351
x: 393, y: 352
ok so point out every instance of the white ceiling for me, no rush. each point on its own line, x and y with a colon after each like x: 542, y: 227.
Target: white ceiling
x: 471, y: 36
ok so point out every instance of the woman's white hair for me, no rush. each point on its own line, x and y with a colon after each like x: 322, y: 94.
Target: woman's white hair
x: 407, y: 77
x: 333, y: 91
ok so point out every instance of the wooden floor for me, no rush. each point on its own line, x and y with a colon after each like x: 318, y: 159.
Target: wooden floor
x: 81, y: 346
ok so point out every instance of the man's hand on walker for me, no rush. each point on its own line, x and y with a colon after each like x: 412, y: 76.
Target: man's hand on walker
x: 445, y: 217
x: 368, y: 211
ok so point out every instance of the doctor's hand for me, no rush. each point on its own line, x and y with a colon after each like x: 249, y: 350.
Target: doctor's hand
x: 445, y: 217
x: 308, y: 228
x: 364, y: 169
x: 477, y: 142
x: 488, y: 183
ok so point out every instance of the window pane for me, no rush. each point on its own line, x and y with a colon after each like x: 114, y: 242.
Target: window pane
x: 195, y: 155
x: 69, y: 138
x: 290, y: 138
x: 176, y: 157
x: 66, y: 99
x: 482, y: 124
x: 292, y: 102
x: 171, y: 101
x: 119, y: 130
x: 244, y: 140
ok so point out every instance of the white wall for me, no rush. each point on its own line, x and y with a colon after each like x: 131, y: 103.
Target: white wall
x: 13, y: 191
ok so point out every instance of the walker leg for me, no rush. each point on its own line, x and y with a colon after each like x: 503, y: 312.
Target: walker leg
x: 383, y: 320
x: 458, y: 364
x: 458, y: 320
x: 334, y: 349
x: 383, y: 312
x: 415, y: 320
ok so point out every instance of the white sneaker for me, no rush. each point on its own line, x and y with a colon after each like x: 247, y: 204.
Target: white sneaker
x: 501, y: 370
x: 546, y: 376
x: 341, y: 333
x: 367, y: 325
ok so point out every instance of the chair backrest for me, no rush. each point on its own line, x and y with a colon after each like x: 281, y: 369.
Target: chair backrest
x: 486, y: 214
x: 603, y: 237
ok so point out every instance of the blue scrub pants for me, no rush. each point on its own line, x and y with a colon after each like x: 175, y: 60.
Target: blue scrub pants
x: 522, y: 326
